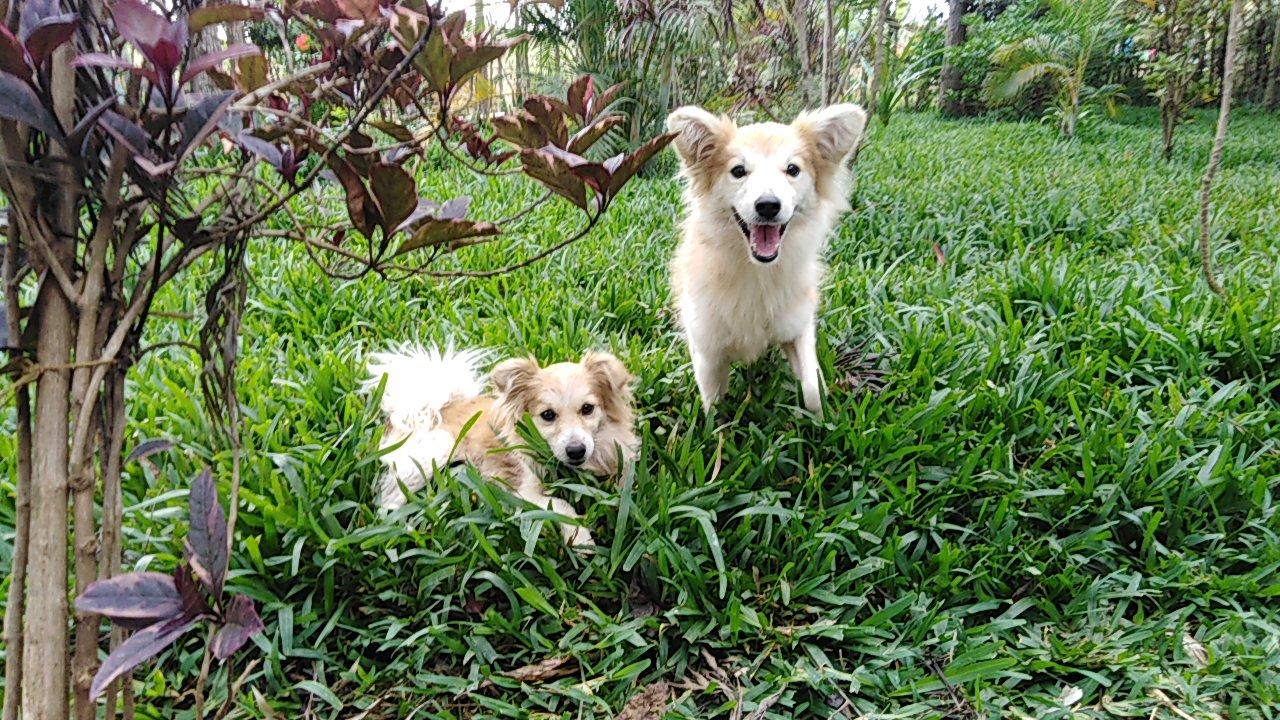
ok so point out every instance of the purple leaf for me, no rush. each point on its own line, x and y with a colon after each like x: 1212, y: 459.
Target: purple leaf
x: 361, y: 207
x: 591, y: 134
x: 49, y: 35
x: 80, y: 133
x: 455, y: 233
x: 126, y: 132
x: 148, y: 448
x: 202, y: 119
x: 556, y: 174
x: 241, y: 622
x: 19, y: 102
x: 142, y: 646
x: 207, y: 539
x: 601, y: 101
x: 396, y: 193
x: 580, y: 93
x: 160, y: 41
x: 633, y: 162
x: 424, y: 209
x: 13, y: 57
x: 205, y: 63
x: 139, y: 596
x: 193, y: 603
x: 456, y: 209
x: 261, y: 148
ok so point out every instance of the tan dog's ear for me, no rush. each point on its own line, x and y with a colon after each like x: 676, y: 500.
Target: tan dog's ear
x: 834, y: 131
x: 513, y: 378
x: 609, y: 372
x: 699, y: 133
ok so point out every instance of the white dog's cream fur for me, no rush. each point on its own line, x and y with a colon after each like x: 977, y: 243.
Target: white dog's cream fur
x: 583, y: 410
x: 762, y: 200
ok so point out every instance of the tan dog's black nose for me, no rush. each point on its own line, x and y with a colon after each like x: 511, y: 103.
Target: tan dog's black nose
x: 576, y: 453
x: 768, y: 207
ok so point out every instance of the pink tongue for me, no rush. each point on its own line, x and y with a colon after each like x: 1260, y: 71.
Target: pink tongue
x: 766, y: 239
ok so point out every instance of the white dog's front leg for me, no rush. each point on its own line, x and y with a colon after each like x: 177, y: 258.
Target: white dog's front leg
x: 711, y: 371
x: 802, y: 353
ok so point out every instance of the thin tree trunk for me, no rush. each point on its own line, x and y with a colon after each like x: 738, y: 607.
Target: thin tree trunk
x: 1219, y: 140
x: 952, y: 80
x: 877, y: 72
x: 828, y: 45
x: 45, y: 668
x: 1271, y: 97
x: 13, y: 639
x: 800, y: 27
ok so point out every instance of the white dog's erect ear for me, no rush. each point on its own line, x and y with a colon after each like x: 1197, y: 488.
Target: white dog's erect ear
x: 608, y: 370
x: 511, y: 377
x: 699, y: 133
x: 834, y: 130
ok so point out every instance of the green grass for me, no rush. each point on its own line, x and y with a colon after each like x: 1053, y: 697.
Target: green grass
x: 1068, y: 481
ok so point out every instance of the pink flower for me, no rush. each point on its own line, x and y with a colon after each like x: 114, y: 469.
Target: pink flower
x: 303, y: 42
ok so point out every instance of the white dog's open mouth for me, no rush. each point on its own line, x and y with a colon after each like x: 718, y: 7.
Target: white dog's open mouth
x: 765, y: 240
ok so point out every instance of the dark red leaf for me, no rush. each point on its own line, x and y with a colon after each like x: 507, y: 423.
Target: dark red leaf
x: 396, y: 193
x: 360, y: 205
x: 142, y: 646
x: 207, y: 544
x: 202, y: 119
x: 549, y: 114
x: 147, y: 449
x: 580, y: 94
x: 151, y: 33
x: 591, y: 134
x: 206, y: 63
x: 636, y: 160
x: 474, y: 55
x: 261, y: 148
x: 395, y: 130
x: 602, y: 101
x: 103, y: 60
x: 424, y: 209
x: 193, y: 603
x: 49, y: 35
x: 455, y: 209
x: 326, y: 11
x: 436, y: 232
x: 80, y: 133
x: 207, y: 15
x: 520, y: 129
x: 126, y: 132
x: 19, y: 102
x: 241, y: 622
x: 434, y: 60
x: 13, y: 57
x: 555, y: 174
x: 138, y: 596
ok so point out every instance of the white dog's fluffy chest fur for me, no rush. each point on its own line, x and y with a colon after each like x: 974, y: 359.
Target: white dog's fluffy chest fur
x: 739, y: 307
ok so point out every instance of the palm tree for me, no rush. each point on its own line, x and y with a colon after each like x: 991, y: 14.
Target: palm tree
x: 1061, y: 55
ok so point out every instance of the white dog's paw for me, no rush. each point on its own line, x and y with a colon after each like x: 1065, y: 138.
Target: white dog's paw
x: 577, y: 536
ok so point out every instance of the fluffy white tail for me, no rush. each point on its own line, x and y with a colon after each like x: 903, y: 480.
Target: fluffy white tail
x: 419, y: 383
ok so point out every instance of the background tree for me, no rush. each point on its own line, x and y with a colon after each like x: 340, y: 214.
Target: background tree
x: 120, y: 178
x: 1061, y: 54
x: 952, y: 76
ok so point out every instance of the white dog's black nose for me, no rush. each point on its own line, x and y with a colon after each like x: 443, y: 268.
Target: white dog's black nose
x: 768, y: 207
x: 576, y: 453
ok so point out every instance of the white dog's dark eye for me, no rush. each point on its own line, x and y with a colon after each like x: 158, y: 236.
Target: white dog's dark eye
x: 588, y: 408
x: 738, y: 171
x: 793, y: 170
x: 549, y: 415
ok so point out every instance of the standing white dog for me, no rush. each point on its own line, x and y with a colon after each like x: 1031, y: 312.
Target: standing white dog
x: 751, y: 190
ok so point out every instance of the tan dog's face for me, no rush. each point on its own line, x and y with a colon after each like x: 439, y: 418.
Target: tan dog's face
x: 765, y: 175
x: 570, y: 403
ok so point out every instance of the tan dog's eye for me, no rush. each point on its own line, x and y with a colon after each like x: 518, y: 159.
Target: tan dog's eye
x: 588, y: 408
x: 793, y: 170
x: 738, y: 171
x: 548, y: 415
